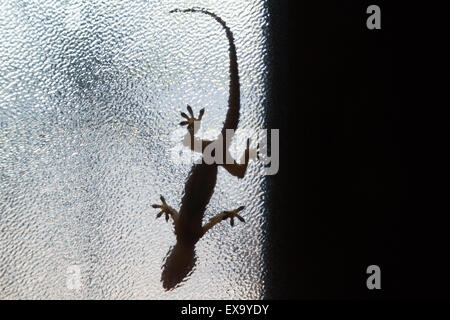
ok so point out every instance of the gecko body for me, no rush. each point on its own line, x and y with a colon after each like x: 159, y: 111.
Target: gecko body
x: 202, y: 178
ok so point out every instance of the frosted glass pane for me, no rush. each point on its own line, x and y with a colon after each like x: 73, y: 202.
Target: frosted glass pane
x: 90, y: 101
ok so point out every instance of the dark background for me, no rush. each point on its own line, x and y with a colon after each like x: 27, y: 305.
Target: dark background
x: 352, y: 186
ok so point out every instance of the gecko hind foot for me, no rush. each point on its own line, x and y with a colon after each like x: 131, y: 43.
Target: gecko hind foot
x: 190, y: 120
x: 234, y: 214
x: 166, y: 209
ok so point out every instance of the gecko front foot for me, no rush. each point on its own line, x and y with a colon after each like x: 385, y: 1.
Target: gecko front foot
x: 233, y: 214
x: 190, y: 120
x: 166, y: 209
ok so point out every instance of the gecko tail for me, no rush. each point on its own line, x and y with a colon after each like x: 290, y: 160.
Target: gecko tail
x: 234, y: 102
x: 195, y: 9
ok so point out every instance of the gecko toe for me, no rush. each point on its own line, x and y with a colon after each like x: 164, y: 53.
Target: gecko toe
x: 184, y: 115
x: 201, y: 113
x: 189, y: 109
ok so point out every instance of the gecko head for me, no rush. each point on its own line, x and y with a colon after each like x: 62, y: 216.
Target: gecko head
x: 178, y: 265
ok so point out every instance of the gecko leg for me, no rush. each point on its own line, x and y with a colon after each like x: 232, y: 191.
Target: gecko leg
x: 223, y: 216
x: 167, y: 210
x: 239, y: 169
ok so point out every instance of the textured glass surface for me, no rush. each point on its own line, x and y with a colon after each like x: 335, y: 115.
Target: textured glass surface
x: 90, y: 95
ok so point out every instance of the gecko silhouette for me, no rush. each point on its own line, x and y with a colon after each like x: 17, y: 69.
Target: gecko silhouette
x: 201, y: 182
